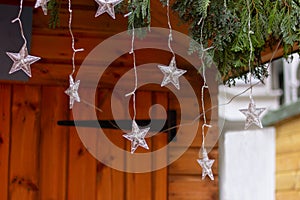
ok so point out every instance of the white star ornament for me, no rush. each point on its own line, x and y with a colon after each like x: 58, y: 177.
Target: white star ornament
x: 22, y: 61
x: 171, y: 73
x: 137, y: 137
x: 107, y: 6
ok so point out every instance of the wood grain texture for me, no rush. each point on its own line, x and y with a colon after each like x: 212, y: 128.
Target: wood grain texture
x: 192, y: 188
x: 187, y: 164
x: 288, y: 128
x: 25, y: 130
x: 288, y: 144
x: 139, y: 185
x: 81, y: 164
x: 110, y: 182
x: 290, y: 195
x: 287, y: 159
x: 287, y: 162
x: 288, y: 181
x: 160, y: 177
x: 53, y: 144
x: 5, y: 113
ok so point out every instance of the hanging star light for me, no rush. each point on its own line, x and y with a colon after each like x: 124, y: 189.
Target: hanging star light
x: 171, y: 73
x: 206, y: 165
x: 252, y: 114
x: 22, y: 60
x: 43, y: 4
x: 107, y: 6
x: 72, y: 91
x: 137, y: 137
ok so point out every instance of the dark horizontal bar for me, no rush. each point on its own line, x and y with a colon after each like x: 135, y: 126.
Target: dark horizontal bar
x: 119, y: 124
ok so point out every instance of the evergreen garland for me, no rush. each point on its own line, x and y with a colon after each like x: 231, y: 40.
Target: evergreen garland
x: 54, y: 7
x: 226, y: 29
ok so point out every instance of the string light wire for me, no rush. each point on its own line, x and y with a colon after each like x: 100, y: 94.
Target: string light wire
x: 20, y: 22
x: 251, y: 46
x: 73, y: 39
x: 135, y: 73
x: 170, y: 39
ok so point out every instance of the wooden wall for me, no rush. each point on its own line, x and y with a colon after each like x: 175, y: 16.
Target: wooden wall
x: 288, y: 159
x: 40, y: 160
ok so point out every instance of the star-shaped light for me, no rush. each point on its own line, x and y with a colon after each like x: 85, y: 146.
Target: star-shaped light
x: 137, y: 137
x: 171, y: 73
x: 206, y: 165
x: 43, y: 4
x: 252, y: 114
x: 72, y: 91
x: 107, y: 6
x: 22, y: 60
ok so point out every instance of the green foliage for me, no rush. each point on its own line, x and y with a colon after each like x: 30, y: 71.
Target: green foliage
x: 54, y: 7
x: 226, y: 29
x: 140, y: 15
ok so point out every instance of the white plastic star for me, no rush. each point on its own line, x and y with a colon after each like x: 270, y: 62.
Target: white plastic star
x: 72, y: 91
x: 252, y: 114
x: 137, y: 137
x: 43, y: 4
x: 22, y: 61
x: 206, y: 165
x: 171, y: 73
x: 107, y: 6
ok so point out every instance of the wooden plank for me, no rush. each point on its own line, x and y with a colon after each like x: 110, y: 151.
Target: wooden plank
x: 54, y: 143
x: 288, y: 180
x: 5, y: 112
x: 187, y: 163
x: 192, y: 188
x: 189, y: 127
x: 288, y: 144
x: 139, y: 185
x: 104, y: 24
x: 81, y: 164
x: 110, y: 182
x: 288, y: 195
x: 287, y: 162
x: 288, y: 128
x: 60, y: 53
x: 160, y: 177
x: 25, y: 130
x: 57, y: 74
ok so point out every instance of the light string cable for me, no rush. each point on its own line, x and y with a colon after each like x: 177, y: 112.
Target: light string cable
x: 204, y: 125
x: 170, y: 29
x: 204, y: 86
x: 251, y: 47
x: 73, y: 39
x: 74, y: 53
x: 20, y: 22
x: 135, y: 72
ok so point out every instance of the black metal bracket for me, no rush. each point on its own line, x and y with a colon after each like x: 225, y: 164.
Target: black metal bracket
x: 168, y: 127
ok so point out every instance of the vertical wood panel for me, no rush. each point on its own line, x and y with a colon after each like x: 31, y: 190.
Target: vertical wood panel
x: 160, y: 179
x: 5, y: 112
x: 82, y: 165
x: 138, y: 186
x: 110, y: 182
x: 53, y: 156
x: 25, y: 130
